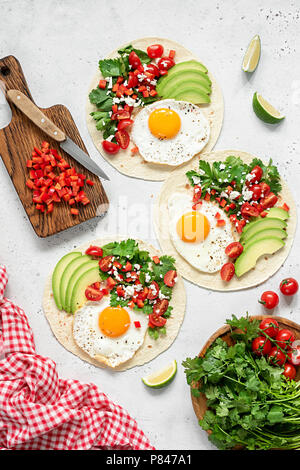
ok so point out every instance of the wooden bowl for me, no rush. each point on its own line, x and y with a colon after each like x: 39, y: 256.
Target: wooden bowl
x: 199, y: 403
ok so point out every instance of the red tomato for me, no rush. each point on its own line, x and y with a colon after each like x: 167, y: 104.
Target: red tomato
x: 269, y: 326
x: 227, y: 272
x: 94, y: 251
x: 269, y: 299
x: 165, y: 63
x: 170, y: 278
x: 132, y: 80
x: 197, y: 193
x: 256, y: 190
x: 157, y: 320
x: 153, y: 290
x: 105, y: 264
x: 110, y: 147
x: 289, y: 371
x: 93, y: 294
x: 134, y: 60
x: 294, y: 355
x: 124, y: 123
x: 234, y: 249
x: 265, y: 189
x: 155, y: 51
x: 261, y: 346
x: 257, y: 172
x: 110, y: 283
x: 289, y: 286
x: 249, y: 211
x: 285, y: 338
x: 152, y: 68
x: 160, y: 307
x: 122, y: 137
x: 276, y: 357
x: 268, y: 201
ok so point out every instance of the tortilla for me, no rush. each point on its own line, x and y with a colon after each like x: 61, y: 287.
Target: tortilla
x: 61, y: 322
x: 265, y: 267
x: 134, y: 165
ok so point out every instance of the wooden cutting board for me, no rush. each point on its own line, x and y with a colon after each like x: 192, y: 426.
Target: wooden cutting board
x: 16, y: 145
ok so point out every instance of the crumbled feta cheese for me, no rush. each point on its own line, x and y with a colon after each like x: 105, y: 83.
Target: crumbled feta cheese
x: 222, y: 166
x: 234, y: 195
x: 196, y: 179
x: 147, y: 277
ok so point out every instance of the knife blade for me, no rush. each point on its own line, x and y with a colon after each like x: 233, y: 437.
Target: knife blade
x: 25, y: 105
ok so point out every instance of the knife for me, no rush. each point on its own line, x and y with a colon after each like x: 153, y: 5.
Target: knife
x: 24, y: 104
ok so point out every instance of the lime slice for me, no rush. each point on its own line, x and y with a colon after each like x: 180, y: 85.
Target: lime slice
x: 264, y: 110
x: 252, y: 55
x: 161, y: 378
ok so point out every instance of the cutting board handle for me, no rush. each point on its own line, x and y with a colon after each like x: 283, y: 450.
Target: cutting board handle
x: 24, y: 104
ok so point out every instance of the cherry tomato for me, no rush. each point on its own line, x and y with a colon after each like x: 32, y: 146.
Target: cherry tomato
x: 134, y: 60
x: 265, y: 189
x: 124, y: 123
x: 110, y: 147
x: 289, y: 371
x: 152, y: 68
x: 132, y: 80
x: 93, y: 294
x: 276, y: 357
x: 247, y: 210
x: 165, y: 63
x: 157, y: 320
x: 94, y: 251
x: 257, y: 172
x: 268, y: 201
x: 110, y: 283
x: 294, y: 355
x: 234, y: 249
x: 155, y: 51
x: 289, y: 286
x: 256, y: 190
x: 269, y: 299
x: 269, y: 326
x: 227, y: 272
x: 160, y: 307
x: 285, y: 338
x: 153, y: 290
x: 105, y: 264
x: 261, y: 346
x: 123, y: 139
x: 170, y: 278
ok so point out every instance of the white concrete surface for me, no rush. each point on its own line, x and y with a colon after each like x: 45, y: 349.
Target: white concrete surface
x: 58, y: 44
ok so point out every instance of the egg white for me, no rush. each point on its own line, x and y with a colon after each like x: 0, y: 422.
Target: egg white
x: 209, y: 255
x: 190, y: 140
x: 112, y: 351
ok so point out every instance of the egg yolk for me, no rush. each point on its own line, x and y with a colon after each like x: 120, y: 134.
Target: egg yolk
x: 193, y: 227
x: 114, y: 321
x: 164, y: 123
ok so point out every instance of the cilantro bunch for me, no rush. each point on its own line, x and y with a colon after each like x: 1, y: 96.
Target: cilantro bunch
x: 250, y: 403
x: 128, y: 250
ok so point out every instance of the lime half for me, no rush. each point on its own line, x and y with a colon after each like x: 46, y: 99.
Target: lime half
x: 161, y: 378
x: 252, y: 55
x: 265, y: 111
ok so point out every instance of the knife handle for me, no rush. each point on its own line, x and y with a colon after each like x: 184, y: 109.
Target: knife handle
x: 24, y: 104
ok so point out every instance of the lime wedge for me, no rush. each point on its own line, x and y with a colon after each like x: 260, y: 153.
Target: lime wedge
x: 252, y: 55
x: 161, y: 378
x: 264, y: 110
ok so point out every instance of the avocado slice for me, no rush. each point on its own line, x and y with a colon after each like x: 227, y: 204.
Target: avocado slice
x: 191, y: 84
x: 78, y: 295
x: 168, y: 83
x: 248, y: 259
x: 192, y: 94
x: 261, y: 224
x: 74, y: 278
x: 57, y: 274
x: 79, y: 261
x: 278, y: 213
x: 268, y: 232
x: 188, y: 64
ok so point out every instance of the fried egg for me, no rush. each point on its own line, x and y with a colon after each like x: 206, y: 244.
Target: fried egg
x: 170, y: 132
x: 195, y: 233
x: 108, y: 334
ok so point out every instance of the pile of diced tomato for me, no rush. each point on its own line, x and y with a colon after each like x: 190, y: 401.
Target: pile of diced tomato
x: 53, y: 180
x: 134, y: 85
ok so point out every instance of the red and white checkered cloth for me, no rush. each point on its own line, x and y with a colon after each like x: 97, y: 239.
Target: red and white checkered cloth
x: 40, y: 411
